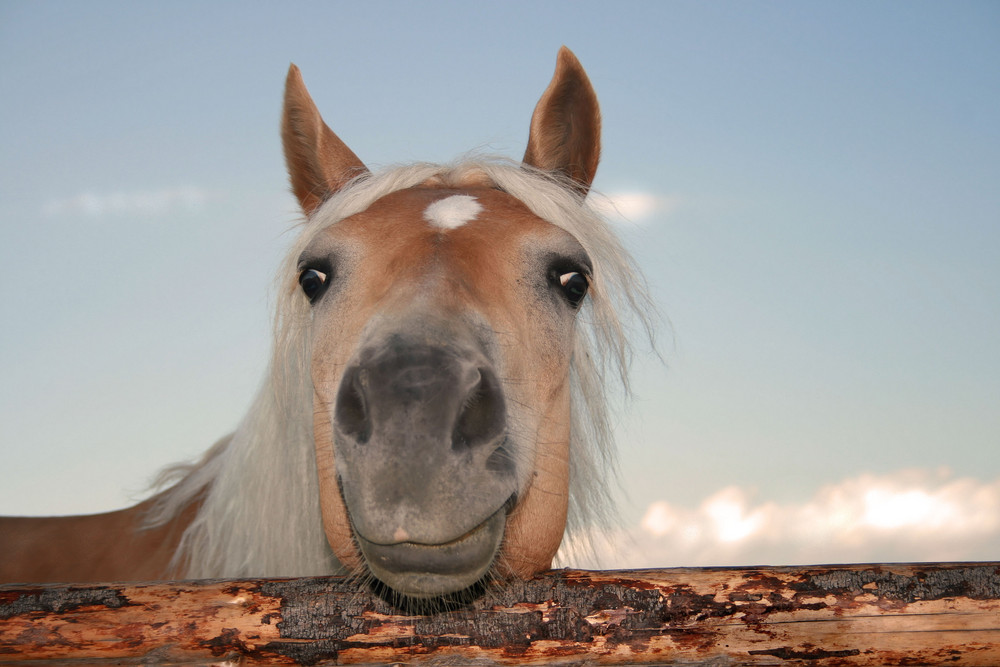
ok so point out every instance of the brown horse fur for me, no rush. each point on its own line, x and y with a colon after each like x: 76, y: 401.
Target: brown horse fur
x: 111, y: 546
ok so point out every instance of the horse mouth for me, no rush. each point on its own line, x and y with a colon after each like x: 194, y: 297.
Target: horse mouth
x: 434, y: 570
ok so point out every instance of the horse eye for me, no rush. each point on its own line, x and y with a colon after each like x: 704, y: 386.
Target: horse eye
x: 312, y: 282
x: 574, y: 286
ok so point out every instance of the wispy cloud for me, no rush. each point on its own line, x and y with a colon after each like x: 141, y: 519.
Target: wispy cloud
x: 910, y: 515
x: 142, y: 202
x: 632, y: 206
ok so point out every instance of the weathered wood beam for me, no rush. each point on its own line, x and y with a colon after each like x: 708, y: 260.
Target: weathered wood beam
x: 924, y: 614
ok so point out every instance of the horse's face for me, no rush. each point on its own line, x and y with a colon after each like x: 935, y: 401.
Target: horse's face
x: 443, y: 323
x: 443, y: 331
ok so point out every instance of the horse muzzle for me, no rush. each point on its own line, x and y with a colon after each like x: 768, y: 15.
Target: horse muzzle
x: 431, y: 570
x: 425, y: 462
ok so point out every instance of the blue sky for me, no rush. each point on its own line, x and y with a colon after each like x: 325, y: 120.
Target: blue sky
x: 814, y: 201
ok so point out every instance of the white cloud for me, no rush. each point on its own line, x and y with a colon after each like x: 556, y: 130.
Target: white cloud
x: 633, y: 206
x: 142, y: 203
x: 910, y: 515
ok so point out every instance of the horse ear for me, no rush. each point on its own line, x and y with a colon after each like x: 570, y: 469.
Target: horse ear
x: 565, y: 134
x: 319, y: 163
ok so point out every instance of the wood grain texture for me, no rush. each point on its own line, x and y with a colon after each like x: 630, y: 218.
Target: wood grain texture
x: 925, y: 614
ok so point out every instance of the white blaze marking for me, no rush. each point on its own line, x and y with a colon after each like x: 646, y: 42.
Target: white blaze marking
x: 453, y: 211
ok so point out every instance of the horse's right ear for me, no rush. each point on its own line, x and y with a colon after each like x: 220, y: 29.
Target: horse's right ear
x: 319, y: 163
x: 565, y: 134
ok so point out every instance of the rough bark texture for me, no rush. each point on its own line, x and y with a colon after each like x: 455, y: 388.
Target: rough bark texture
x: 924, y: 614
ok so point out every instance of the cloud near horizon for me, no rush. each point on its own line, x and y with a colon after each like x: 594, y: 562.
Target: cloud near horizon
x: 909, y: 515
x: 625, y: 207
x: 632, y: 207
x: 142, y: 202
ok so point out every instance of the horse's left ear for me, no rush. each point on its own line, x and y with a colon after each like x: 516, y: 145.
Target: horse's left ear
x: 565, y: 132
x: 319, y: 163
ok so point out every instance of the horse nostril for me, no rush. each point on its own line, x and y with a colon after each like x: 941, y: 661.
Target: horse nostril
x: 482, y: 418
x: 501, y: 461
x: 351, y: 410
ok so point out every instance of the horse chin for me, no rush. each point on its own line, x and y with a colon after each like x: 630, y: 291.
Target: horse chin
x: 426, y: 571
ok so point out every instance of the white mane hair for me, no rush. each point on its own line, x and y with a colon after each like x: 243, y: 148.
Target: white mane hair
x: 260, y: 511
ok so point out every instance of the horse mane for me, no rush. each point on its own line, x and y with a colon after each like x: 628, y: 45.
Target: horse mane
x: 258, y: 487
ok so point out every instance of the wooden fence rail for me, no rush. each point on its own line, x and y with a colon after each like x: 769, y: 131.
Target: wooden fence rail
x: 925, y: 614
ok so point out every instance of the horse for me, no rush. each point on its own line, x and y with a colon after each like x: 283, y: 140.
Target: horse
x: 435, y: 415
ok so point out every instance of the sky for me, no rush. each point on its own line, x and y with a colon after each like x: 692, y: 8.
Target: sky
x: 811, y: 190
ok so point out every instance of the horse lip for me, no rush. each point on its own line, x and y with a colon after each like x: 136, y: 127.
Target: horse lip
x: 429, y: 570
x: 455, y: 541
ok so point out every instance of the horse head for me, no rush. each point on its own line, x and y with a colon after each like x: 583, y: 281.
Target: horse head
x: 442, y: 327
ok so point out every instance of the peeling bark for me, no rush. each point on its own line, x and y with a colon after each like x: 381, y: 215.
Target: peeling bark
x: 924, y: 614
